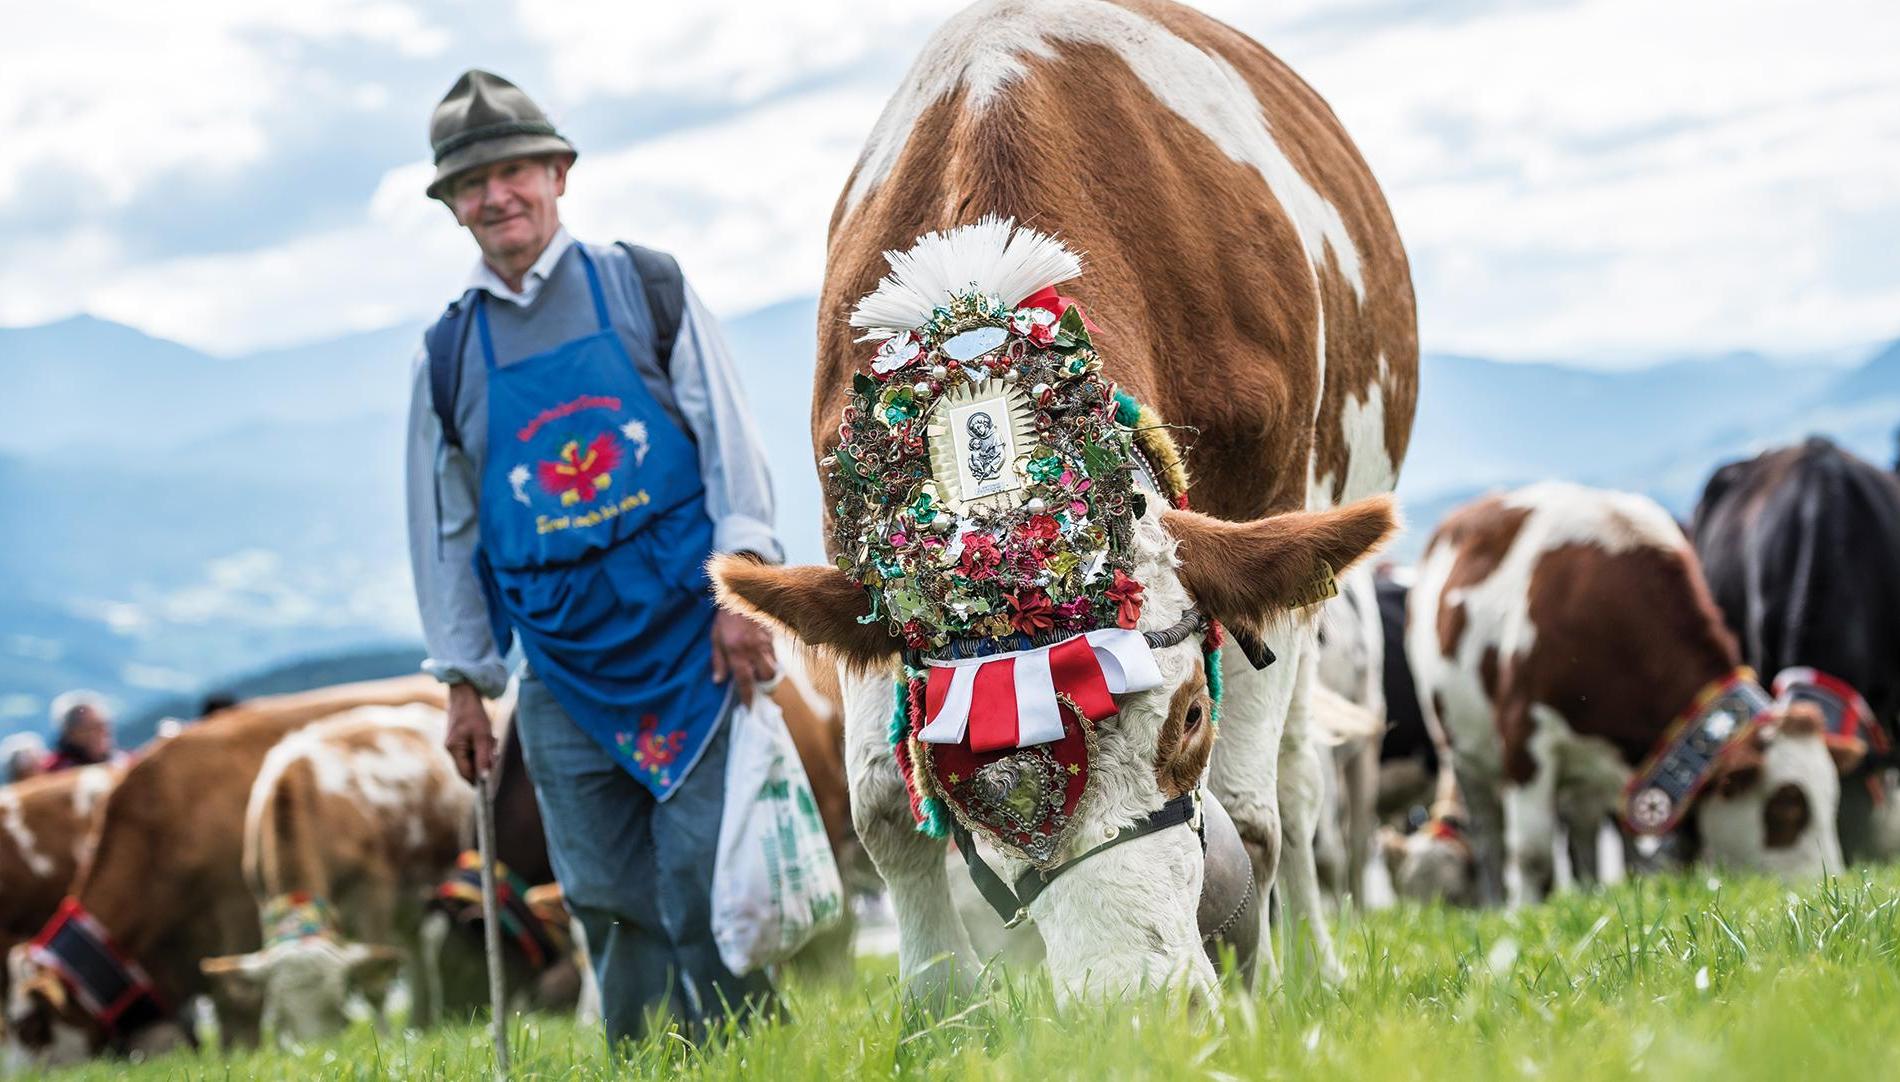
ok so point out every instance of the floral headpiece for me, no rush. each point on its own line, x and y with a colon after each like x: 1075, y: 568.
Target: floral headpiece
x: 983, y: 489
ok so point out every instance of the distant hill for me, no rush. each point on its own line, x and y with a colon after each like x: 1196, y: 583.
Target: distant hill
x: 173, y: 518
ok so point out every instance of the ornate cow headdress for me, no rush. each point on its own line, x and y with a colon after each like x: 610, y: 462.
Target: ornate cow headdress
x: 985, y: 490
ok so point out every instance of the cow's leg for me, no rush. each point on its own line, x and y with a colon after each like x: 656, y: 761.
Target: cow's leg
x: 1245, y: 774
x: 934, y: 955
x: 1302, y: 799
x: 1530, y: 822
x: 1360, y: 792
x: 1478, y: 793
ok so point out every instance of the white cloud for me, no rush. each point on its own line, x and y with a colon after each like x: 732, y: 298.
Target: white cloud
x: 116, y: 94
x: 1607, y: 175
x: 722, y: 52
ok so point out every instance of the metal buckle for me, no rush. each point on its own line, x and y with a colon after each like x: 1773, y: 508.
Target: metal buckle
x: 1022, y: 914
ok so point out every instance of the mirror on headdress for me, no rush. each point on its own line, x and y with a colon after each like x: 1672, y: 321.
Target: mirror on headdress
x: 974, y: 343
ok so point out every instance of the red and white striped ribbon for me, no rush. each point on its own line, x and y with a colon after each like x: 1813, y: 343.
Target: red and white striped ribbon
x: 1009, y: 700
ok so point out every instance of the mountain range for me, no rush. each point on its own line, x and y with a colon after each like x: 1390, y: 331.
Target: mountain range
x: 176, y: 520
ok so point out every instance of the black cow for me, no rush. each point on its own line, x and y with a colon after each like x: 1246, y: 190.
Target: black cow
x: 1801, y: 546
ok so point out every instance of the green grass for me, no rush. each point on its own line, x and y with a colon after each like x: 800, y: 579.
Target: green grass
x: 1677, y: 978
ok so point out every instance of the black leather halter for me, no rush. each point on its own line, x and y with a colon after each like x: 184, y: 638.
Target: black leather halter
x: 1012, y: 903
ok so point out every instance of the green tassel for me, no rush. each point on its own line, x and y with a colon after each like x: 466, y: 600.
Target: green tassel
x: 900, y: 717
x: 1127, y: 410
x: 1214, y: 683
x: 936, y: 822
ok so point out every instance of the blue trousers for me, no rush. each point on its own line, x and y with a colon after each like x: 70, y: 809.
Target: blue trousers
x: 636, y: 872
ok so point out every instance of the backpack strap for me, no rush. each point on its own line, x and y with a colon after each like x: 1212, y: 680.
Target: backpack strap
x: 665, y: 289
x: 445, y: 341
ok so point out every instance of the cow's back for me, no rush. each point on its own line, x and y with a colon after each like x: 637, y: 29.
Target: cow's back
x: 1240, y: 260
x: 1801, y: 546
x: 367, y: 798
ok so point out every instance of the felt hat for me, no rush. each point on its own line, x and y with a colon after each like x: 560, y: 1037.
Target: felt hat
x: 483, y: 119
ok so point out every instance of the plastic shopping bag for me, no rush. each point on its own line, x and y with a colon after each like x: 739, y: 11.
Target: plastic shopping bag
x: 775, y: 884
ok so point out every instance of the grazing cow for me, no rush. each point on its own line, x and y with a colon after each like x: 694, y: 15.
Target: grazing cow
x: 165, y: 886
x: 1352, y: 665
x: 351, y: 822
x: 1250, y: 287
x: 46, y: 827
x: 1801, y: 546
x: 1558, y: 633
x: 1422, y: 839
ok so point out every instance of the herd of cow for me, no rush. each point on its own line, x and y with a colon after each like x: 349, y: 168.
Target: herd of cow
x: 285, y: 857
x: 290, y: 853
x: 1556, y: 641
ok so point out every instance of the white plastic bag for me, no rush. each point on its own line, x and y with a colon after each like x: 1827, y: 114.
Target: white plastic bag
x: 775, y: 883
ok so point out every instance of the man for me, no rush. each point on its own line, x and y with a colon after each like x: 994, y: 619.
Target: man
x: 569, y: 476
x: 85, y: 732
x: 23, y: 755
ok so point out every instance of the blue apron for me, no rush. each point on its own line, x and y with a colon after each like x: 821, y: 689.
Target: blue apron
x: 594, y: 539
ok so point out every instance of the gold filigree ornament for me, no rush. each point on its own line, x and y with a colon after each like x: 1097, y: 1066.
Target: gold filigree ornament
x: 978, y: 437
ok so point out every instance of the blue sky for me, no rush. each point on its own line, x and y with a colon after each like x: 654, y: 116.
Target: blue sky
x: 1600, y: 179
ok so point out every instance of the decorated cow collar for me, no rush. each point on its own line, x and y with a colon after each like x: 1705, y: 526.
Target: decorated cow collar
x: 107, y: 982
x: 1845, y: 715
x: 984, y: 490
x: 1721, y: 716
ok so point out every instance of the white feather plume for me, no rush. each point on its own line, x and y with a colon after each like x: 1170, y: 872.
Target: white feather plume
x: 992, y: 255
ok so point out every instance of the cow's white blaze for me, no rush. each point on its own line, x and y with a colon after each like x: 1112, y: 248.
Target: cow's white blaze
x: 985, y: 48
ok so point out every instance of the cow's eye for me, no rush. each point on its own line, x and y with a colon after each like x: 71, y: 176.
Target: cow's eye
x: 1195, y: 713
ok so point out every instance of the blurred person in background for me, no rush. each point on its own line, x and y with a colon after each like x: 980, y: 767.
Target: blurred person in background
x: 23, y: 756
x: 578, y: 448
x: 84, y: 724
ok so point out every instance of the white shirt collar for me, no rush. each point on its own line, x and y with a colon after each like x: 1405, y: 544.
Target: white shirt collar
x: 484, y: 277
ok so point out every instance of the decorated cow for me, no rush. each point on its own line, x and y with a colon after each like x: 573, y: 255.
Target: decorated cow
x: 1802, y: 549
x: 1564, y: 639
x: 350, y: 822
x: 1042, y: 624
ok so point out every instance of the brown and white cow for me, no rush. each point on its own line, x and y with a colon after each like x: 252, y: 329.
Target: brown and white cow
x: 46, y: 829
x: 351, y: 822
x: 1555, y: 632
x: 1250, y: 286
x: 166, y: 882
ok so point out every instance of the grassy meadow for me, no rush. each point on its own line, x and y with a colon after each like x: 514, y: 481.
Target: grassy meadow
x: 1688, y: 977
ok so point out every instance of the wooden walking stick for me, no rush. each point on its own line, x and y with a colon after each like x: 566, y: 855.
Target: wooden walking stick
x: 491, y: 922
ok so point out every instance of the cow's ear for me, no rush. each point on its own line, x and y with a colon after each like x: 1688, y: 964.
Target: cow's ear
x: 1243, y: 573
x: 237, y: 980
x: 818, y: 605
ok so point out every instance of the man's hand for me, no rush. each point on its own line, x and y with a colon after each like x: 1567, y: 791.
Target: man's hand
x: 742, y: 650
x: 471, y: 737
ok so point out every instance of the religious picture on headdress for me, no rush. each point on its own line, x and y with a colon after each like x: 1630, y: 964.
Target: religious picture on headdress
x: 976, y: 438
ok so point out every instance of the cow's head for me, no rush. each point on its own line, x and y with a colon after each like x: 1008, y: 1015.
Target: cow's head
x: 1431, y: 864
x: 1775, y: 795
x: 46, y: 1026
x: 303, y: 985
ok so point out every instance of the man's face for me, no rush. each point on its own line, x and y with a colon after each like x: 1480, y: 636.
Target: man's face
x: 509, y: 206
x: 91, y: 732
